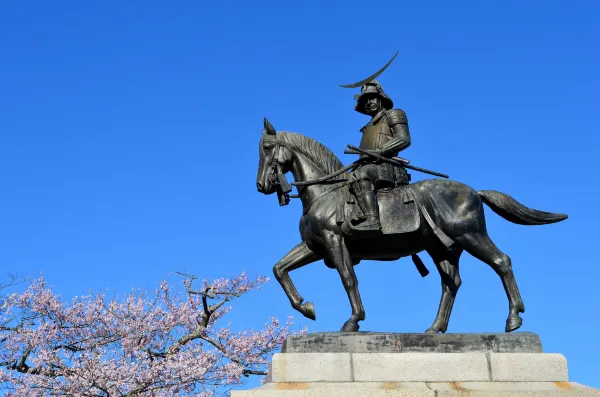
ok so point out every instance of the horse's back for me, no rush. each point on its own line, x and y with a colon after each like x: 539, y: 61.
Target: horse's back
x: 454, y: 206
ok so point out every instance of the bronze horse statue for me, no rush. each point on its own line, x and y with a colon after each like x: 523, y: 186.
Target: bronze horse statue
x: 453, y: 208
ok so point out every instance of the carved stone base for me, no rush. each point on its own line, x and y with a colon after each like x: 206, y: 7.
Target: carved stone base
x: 395, y: 365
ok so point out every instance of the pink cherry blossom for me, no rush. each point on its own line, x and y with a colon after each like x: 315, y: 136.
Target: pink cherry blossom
x: 166, y: 342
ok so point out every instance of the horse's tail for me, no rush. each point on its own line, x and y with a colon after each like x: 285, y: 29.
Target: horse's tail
x: 515, y: 212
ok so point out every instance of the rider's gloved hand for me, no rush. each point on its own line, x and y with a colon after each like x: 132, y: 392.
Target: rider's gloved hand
x: 377, y: 153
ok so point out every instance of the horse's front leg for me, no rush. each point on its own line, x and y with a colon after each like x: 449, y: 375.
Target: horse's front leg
x: 299, y: 256
x: 340, y: 256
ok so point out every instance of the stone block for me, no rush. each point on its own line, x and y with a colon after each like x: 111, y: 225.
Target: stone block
x: 420, y: 367
x: 518, y: 393
x: 528, y: 367
x: 420, y: 389
x: 354, y: 392
x: 340, y: 389
x: 380, y: 342
x: 311, y: 367
x: 512, y: 387
x: 347, y: 385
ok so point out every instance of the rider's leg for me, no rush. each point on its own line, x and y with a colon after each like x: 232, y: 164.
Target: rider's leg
x: 364, y: 190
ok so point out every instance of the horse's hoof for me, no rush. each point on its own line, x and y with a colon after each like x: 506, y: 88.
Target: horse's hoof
x: 434, y: 329
x: 350, y: 326
x: 513, y: 323
x: 308, y: 310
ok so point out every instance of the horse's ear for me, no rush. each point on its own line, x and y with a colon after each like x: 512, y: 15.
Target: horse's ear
x: 269, y: 128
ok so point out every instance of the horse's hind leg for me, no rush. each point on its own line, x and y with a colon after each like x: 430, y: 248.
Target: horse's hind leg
x: 483, y: 248
x: 299, y: 256
x: 447, y: 265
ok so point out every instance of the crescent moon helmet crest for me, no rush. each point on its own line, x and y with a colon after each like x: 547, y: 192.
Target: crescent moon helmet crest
x: 372, y: 77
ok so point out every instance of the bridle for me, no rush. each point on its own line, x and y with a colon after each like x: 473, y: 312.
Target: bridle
x: 277, y: 177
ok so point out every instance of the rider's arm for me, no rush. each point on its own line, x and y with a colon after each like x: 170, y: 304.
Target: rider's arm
x: 398, y: 123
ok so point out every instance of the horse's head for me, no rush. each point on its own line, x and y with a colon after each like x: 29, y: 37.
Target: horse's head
x: 275, y: 159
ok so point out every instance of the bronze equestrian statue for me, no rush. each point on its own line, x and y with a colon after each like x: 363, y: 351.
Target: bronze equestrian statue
x: 368, y: 210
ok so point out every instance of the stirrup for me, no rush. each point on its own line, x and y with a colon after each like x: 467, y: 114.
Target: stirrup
x: 366, y: 225
x: 359, y: 230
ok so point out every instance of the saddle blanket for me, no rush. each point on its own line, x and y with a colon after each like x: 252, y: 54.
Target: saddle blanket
x: 398, y: 210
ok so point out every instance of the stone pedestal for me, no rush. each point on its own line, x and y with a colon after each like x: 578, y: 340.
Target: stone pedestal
x: 402, y: 365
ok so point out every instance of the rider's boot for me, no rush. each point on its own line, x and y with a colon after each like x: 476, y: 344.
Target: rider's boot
x: 367, y: 201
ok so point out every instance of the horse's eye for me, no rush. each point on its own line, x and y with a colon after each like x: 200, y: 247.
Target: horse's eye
x: 268, y: 147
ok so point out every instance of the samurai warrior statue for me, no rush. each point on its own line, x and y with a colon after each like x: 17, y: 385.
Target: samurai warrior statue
x: 384, y: 136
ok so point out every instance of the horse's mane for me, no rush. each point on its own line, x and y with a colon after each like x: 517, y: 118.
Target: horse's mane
x: 312, y: 149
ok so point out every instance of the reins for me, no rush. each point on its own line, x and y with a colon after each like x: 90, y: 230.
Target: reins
x: 284, y: 187
x: 323, y: 194
x: 323, y: 180
x: 326, y: 177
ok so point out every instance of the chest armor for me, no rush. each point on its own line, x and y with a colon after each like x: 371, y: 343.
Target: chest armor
x: 376, y: 134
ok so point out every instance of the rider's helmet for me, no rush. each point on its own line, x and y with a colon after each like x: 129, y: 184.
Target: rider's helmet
x: 372, y: 88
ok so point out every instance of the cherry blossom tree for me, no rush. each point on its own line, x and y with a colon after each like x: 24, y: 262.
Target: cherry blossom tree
x: 167, y: 342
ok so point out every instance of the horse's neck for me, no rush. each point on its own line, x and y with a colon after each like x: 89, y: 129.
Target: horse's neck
x: 305, y: 169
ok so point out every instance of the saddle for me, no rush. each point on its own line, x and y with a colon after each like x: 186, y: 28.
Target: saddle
x: 398, y: 210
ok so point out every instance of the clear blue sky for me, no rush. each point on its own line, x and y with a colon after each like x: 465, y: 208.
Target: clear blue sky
x: 130, y: 131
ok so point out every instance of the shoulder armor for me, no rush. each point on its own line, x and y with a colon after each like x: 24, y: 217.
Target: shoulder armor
x: 364, y: 127
x: 396, y: 116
